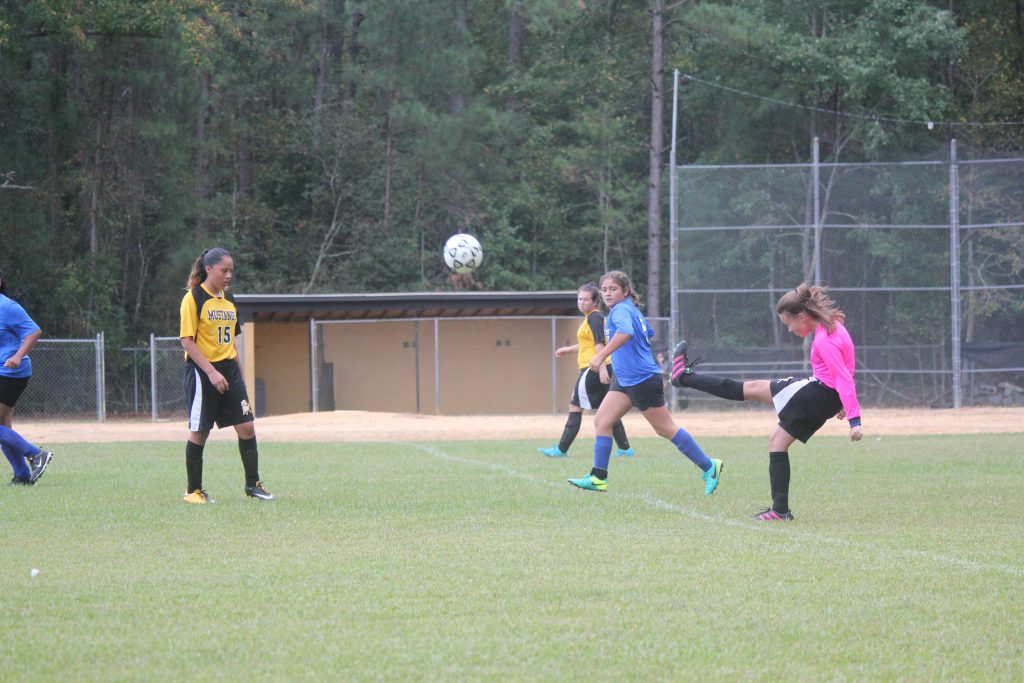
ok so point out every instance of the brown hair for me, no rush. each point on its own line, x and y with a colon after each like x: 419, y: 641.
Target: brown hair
x: 593, y: 290
x: 813, y: 301
x: 623, y: 281
x: 207, y: 259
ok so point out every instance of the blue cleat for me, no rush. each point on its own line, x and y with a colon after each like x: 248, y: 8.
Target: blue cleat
x: 590, y: 483
x: 712, y: 476
x: 625, y: 452
x: 553, y: 452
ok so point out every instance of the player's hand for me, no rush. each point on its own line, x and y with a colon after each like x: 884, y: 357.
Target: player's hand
x: 218, y: 381
x: 561, y: 351
x: 596, y: 363
x: 841, y: 415
x: 856, y: 434
x: 603, y: 374
x: 12, y: 362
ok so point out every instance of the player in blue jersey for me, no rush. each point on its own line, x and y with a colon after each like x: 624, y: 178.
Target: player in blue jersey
x: 18, y: 334
x: 591, y: 387
x: 637, y: 383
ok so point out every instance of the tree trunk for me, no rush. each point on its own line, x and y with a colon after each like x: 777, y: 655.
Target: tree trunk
x: 458, y: 102
x: 56, y: 58
x: 321, y: 72
x: 657, y: 145
x: 389, y: 156
x: 353, y: 52
x: 243, y: 155
x: 516, y: 33
x: 204, y: 183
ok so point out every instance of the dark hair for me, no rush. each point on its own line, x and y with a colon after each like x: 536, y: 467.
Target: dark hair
x: 813, y: 301
x: 623, y: 281
x: 207, y: 259
x: 3, y: 284
x: 591, y: 289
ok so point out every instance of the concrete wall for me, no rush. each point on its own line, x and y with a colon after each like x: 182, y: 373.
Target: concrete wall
x: 486, y: 366
x: 281, y: 362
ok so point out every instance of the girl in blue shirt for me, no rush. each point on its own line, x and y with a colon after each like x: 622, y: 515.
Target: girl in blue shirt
x: 637, y: 383
x: 18, y: 334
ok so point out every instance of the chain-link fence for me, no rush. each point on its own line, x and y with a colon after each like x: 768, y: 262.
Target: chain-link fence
x: 67, y: 380
x: 166, y: 368
x: 923, y: 258
x: 73, y: 380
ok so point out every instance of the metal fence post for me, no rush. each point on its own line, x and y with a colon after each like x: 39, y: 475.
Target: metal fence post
x: 954, y: 271
x: 101, y: 388
x: 554, y: 368
x: 314, y: 370
x: 437, y: 367
x: 152, y: 376
x: 675, y: 315
x: 816, y: 179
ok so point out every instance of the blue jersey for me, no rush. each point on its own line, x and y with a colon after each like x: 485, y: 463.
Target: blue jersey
x: 632, y: 362
x: 15, y: 325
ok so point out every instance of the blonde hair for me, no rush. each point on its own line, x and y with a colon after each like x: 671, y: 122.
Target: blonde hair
x: 623, y: 281
x: 207, y: 259
x: 813, y: 301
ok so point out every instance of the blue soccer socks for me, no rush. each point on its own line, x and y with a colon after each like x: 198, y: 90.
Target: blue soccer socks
x: 688, y: 447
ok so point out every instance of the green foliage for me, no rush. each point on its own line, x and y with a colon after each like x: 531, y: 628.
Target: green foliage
x: 150, y: 131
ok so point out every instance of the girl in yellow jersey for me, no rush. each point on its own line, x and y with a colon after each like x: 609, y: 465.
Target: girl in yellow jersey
x: 214, y: 387
x: 591, y: 387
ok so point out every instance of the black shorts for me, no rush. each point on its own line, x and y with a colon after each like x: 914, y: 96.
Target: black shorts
x: 650, y: 393
x: 590, y: 390
x: 11, y: 388
x: 206, y: 406
x: 804, y: 404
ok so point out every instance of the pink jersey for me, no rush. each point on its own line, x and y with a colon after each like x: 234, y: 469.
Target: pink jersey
x: 833, y: 363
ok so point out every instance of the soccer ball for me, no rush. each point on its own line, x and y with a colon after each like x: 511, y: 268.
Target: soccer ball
x: 462, y: 253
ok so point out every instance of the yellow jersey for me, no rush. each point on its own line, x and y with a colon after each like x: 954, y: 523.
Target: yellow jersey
x: 589, y: 335
x: 212, y: 321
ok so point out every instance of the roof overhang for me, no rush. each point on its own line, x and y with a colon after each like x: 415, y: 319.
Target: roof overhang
x: 303, y: 307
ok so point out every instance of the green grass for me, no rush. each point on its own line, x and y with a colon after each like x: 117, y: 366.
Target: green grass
x: 476, y: 561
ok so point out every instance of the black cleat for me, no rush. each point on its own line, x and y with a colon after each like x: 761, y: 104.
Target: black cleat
x: 18, y: 481
x: 259, y: 492
x: 37, y: 464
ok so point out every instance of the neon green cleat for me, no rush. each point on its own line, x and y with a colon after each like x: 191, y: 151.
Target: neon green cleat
x: 712, y: 476
x: 590, y: 483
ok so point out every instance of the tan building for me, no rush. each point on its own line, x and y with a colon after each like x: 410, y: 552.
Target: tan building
x: 447, y: 353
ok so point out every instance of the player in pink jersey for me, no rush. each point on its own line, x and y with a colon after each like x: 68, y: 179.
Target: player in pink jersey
x: 803, y: 404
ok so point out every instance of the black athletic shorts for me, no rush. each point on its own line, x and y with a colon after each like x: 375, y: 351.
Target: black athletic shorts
x: 650, y: 393
x: 11, y: 388
x: 206, y: 406
x: 590, y: 390
x: 804, y: 404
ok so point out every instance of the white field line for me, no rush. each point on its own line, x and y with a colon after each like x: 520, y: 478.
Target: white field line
x: 787, y: 529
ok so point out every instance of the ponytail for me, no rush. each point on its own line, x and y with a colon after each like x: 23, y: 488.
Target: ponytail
x: 207, y: 259
x: 3, y: 284
x: 813, y: 301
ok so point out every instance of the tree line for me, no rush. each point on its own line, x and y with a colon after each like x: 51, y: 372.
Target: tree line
x: 333, y: 145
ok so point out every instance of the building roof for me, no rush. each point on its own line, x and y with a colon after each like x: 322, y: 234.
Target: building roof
x: 302, y: 307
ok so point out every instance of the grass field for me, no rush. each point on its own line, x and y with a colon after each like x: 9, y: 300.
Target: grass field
x: 471, y: 561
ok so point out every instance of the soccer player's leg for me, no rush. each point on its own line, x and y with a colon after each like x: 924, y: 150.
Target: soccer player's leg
x: 615, y: 405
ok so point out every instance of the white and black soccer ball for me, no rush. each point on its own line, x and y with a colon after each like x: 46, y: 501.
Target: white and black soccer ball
x: 463, y: 253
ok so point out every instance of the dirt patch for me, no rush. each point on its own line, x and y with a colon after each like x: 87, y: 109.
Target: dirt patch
x: 355, y: 425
